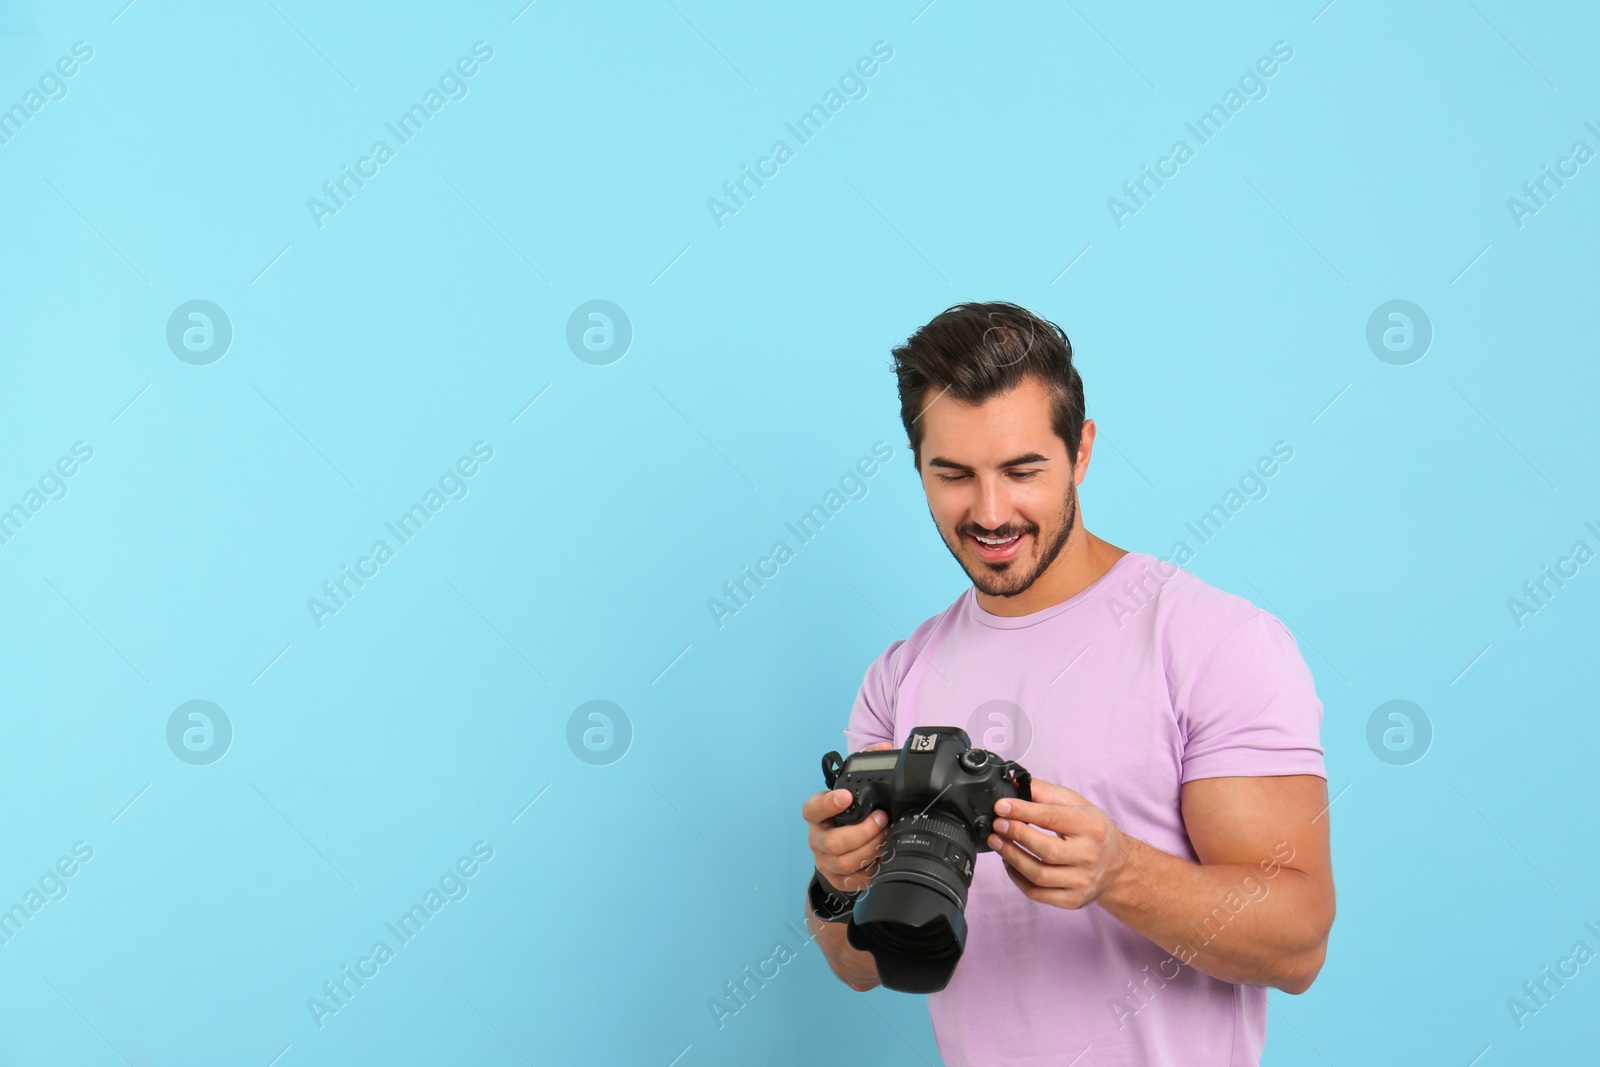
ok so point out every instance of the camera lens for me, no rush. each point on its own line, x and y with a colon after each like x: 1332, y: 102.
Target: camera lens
x: 910, y: 918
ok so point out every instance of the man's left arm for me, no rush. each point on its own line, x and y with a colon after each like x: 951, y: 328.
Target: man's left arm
x: 1256, y: 909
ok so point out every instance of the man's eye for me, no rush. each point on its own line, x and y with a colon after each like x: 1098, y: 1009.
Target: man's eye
x: 1024, y: 474
x: 951, y: 477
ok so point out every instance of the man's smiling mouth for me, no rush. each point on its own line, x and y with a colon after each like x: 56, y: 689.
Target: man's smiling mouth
x: 994, y: 549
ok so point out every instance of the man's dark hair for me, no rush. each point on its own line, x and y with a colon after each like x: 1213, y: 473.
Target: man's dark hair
x: 976, y: 351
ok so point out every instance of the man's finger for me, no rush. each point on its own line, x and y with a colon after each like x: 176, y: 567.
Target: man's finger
x: 1047, y: 846
x: 842, y: 839
x: 825, y: 805
x: 1020, y: 880
x: 1064, y: 820
x: 1069, y: 817
x: 1025, y: 863
x: 1038, y: 893
x: 862, y: 857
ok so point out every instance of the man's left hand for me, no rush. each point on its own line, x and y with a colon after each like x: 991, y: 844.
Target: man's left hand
x: 1069, y: 855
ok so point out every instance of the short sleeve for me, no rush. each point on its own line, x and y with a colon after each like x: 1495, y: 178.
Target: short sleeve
x: 1251, y: 707
x: 872, y: 716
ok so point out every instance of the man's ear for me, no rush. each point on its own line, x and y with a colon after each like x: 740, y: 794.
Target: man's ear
x: 1080, y: 470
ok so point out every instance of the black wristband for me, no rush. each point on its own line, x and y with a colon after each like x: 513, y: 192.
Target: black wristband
x: 827, y: 903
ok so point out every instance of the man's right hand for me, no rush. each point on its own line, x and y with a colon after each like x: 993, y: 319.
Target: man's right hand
x: 847, y: 856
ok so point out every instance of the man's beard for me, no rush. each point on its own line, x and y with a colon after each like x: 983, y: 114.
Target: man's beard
x: 1004, y: 578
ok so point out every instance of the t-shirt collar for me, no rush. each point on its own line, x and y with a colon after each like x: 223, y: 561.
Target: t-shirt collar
x: 1019, y: 622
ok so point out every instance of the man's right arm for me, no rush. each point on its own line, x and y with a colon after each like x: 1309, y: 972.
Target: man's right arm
x: 846, y: 856
x: 855, y: 968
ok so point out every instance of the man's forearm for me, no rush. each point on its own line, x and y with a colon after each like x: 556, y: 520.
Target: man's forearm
x: 1232, y: 921
x: 855, y: 968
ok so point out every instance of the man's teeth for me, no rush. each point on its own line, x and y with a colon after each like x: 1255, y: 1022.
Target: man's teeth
x: 998, y: 540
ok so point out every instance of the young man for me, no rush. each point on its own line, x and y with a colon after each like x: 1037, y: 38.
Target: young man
x: 1173, y: 862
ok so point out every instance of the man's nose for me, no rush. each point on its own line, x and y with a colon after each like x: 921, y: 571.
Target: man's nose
x: 992, y: 509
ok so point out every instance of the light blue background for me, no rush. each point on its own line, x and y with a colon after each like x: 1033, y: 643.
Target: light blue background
x: 369, y: 354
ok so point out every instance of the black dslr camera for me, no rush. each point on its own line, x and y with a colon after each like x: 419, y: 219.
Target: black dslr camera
x: 939, y: 793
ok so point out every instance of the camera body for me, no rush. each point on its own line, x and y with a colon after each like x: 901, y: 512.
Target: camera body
x: 939, y: 793
x: 937, y: 766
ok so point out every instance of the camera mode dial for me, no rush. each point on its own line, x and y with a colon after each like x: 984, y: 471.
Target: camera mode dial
x: 974, y: 760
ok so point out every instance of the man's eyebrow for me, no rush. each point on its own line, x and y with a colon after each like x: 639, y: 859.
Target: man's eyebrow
x: 1030, y: 457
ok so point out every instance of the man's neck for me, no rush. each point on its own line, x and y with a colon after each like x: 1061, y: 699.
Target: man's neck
x: 1084, y: 559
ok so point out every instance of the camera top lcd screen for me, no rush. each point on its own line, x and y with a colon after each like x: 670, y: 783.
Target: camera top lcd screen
x: 875, y: 761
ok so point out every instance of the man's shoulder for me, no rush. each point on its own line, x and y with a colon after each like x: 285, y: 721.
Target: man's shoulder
x: 1186, y: 591
x: 897, y: 659
x: 1179, y: 606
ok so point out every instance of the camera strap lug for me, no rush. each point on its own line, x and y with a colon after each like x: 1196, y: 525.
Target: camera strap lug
x: 1020, y: 779
x: 832, y: 764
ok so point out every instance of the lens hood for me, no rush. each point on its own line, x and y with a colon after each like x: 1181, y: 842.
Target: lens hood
x: 915, y: 932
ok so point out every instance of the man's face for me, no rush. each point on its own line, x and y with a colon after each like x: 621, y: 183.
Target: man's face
x: 1000, y: 485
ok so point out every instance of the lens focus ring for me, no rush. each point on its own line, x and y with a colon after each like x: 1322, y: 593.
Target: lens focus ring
x: 936, y: 846
x: 953, y: 830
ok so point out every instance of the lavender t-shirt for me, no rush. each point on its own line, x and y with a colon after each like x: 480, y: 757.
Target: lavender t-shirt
x: 1145, y: 680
